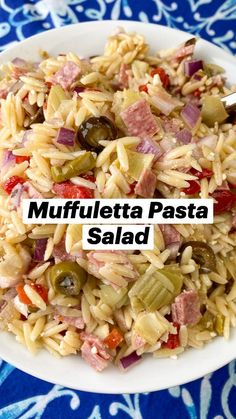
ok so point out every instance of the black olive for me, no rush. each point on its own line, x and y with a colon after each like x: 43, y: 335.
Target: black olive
x: 94, y: 130
x: 202, y: 254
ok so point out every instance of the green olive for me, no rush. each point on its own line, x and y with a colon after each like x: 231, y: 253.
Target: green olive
x: 203, y: 255
x: 94, y: 130
x: 67, y: 278
x: 82, y: 164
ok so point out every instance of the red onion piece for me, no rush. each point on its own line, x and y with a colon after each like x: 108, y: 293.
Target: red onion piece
x: 192, y: 66
x: 184, y: 136
x: 149, y: 146
x: 191, y: 115
x: 129, y: 360
x: 66, y: 136
x: 39, y: 250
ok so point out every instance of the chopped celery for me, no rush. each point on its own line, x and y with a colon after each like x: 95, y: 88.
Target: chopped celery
x: 213, y: 111
x: 152, y: 293
x: 151, y: 326
x: 138, y: 162
x: 55, y: 98
x: 112, y: 297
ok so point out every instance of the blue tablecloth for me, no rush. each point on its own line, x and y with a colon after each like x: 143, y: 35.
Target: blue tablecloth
x: 22, y: 396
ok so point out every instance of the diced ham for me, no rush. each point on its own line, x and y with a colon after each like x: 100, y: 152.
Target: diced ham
x: 94, y: 359
x: 66, y: 75
x: 94, y: 351
x: 149, y: 146
x: 137, y: 341
x: 171, y: 238
x: 184, y: 51
x: 146, y: 185
x: 77, y: 322
x: 186, y: 308
x: 139, y: 119
x: 123, y: 77
x: 60, y: 253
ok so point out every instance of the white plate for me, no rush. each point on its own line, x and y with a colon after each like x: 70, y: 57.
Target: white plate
x: 152, y: 374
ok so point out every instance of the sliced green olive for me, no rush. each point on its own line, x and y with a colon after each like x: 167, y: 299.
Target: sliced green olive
x: 67, y: 278
x: 82, y: 164
x: 95, y: 130
x: 213, y: 111
x: 202, y: 254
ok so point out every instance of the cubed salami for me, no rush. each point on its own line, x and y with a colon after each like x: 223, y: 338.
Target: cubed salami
x: 139, y: 119
x: 146, y: 184
x: 186, y: 308
x: 66, y: 75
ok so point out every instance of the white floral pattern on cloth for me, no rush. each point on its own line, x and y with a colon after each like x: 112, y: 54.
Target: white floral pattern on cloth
x: 25, y: 397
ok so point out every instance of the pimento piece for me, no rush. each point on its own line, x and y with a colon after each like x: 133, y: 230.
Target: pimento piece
x: 205, y: 173
x: 22, y: 295
x: 113, y: 339
x: 41, y: 290
x: 21, y: 159
x: 163, y: 76
x: 193, y: 188
x: 71, y: 191
x: 132, y: 188
x: 11, y: 183
x: 197, y: 93
x: 143, y: 88
x: 225, y: 200
x: 173, y: 339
